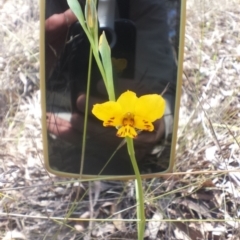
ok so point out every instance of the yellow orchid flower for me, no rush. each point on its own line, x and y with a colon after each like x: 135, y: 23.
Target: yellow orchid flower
x: 129, y: 113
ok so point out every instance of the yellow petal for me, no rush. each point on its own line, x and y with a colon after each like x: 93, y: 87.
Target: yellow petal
x: 126, y: 131
x: 109, y: 112
x: 127, y: 100
x: 150, y: 107
x: 143, y: 124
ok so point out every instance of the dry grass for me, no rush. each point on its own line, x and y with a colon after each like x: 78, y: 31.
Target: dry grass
x: 34, y: 205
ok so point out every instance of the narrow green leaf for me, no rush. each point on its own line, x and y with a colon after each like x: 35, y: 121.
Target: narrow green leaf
x: 77, y: 10
x: 105, y: 53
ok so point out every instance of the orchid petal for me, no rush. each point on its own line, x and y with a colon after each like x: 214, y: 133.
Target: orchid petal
x: 143, y: 124
x: 127, y: 100
x: 150, y: 107
x: 126, y: 131
x: 109, y: 112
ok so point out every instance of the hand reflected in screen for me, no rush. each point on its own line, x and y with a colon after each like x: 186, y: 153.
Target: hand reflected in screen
x: 56, y: 31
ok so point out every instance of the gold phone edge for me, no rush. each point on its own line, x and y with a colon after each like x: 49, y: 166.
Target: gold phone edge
x: 176, y: 112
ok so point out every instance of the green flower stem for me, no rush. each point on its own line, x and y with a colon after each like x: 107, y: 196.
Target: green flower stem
x: 139, y: 190
x: 86, y: 115
x: 105, y: 68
